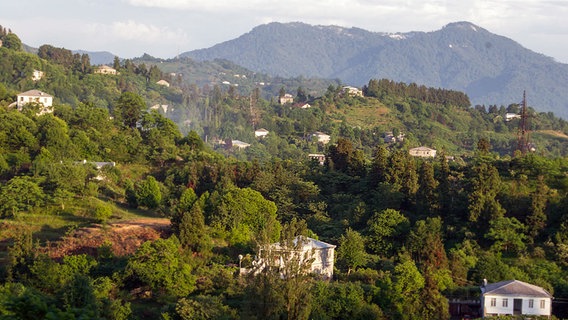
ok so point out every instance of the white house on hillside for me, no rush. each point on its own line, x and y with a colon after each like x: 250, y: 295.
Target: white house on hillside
x: 321, y: 137
x: 35, y: 96
x: 514, y: 297
x: 423, y: 152
x: 318, y: 254
x: 105, y: 70
x: 261, y: 133
x: 287, y: 98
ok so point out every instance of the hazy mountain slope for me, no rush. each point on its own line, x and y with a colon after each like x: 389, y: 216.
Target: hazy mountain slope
x: 490, y: 68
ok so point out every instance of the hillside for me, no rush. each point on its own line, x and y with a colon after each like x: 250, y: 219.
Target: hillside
x: 490, y: 68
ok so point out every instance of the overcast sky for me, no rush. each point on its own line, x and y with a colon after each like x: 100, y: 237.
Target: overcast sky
x: 164, y: 28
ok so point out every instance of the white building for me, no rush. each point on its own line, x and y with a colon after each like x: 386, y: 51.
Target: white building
x: 514, y: 297
x: 106, y: 70
x: 287, y: 98
x: 35, y: 96
x: 423, y: 152
x: 163, y: 83
x: 37, y: 75
x: 261, y: 133
x: 239, y: 144
x: 321, y: 137
x: 318, y: 254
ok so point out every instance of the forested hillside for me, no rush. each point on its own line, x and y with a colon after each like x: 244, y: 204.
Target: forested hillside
x: 460, y: 56
x: 412, y: 234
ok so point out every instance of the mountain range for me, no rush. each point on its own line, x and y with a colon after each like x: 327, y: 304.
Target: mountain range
x: 491, y: 69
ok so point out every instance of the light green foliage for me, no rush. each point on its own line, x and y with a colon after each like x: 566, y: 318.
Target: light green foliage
x: 204, y: 308
x: 160, y: 265
x: 342, y: 301
x: 102, y: 212
x: 247, y: 215
x: 20, y: 194
x: 407, y: 285
x: 148, y: 193
x: 387, y: 231
x: 351, y: 250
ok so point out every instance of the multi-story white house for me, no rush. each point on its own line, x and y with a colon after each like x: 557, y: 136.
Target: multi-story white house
x: 514, y: 297
x: 319, y: 255
x: 35, y: 96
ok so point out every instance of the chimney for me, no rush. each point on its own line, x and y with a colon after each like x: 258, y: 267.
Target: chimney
x: 484, y: 283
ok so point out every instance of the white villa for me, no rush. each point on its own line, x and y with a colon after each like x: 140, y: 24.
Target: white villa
x: 287, y: 98
x: 35, y: 96
x: 321, y: 137
x: 239, y: 144
x: 352, y: 91
x: 320, y: 254
x: 514, y: 297
x: 423, y: 152
x: 104, y: 69
x: 261, y: 133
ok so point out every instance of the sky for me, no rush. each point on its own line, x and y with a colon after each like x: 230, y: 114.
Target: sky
x: 165, y: 28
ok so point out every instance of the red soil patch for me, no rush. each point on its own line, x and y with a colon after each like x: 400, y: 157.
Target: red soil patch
x: 124, y: 237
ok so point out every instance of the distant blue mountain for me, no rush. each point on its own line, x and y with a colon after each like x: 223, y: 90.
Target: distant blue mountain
x: 491, y: 69
x: 98, y: 57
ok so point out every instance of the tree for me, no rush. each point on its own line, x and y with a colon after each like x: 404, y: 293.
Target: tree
x: 20, y: 194
x: 507, y: 234
x: 247, y: 216
x: 536, y: 221
x: 159, y: 264
x: 427, y: 199
x: 387, y: 230
x: 148, y: 193
x: 192, y: 230
x: 407, y: 285
x: 483, y: 203
x: 128, y: 109
x: 351, y: 250
x: 12, y: 41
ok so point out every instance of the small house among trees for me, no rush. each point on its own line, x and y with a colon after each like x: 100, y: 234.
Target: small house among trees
x: 286, y: 98
x: 104, y: 69
x: 514, y: 297
x: 423, y: 152
x: 321, y: 137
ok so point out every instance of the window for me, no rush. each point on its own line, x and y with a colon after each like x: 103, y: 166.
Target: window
x: 493, y: 302
x: 542, y: 304
x: 505, y: 302
x: 531, y: 303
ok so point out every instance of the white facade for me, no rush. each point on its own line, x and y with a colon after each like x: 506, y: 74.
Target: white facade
x: 35, y: 96
x: 105, y: 70
x: 37, y: 75
x: 287, y: 98
x: 514, y: 297
x: 322, y: 255
x: 321, y: 137
x: 423, y: 152
x: 261, y: 133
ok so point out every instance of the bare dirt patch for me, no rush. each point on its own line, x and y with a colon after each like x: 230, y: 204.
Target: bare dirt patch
x: 122, y: 238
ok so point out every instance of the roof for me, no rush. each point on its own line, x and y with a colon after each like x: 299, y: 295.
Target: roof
x: 515, y: 287
x: 261, y: 130
x: 35, y: 93
x: 422, y: 149
x: 309, y: 244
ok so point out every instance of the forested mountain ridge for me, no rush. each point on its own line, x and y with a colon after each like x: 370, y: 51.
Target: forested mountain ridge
x: 490, y: 68
x: 412, y: 234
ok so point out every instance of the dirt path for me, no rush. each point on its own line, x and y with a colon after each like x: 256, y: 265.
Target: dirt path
x: 121, y: 237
